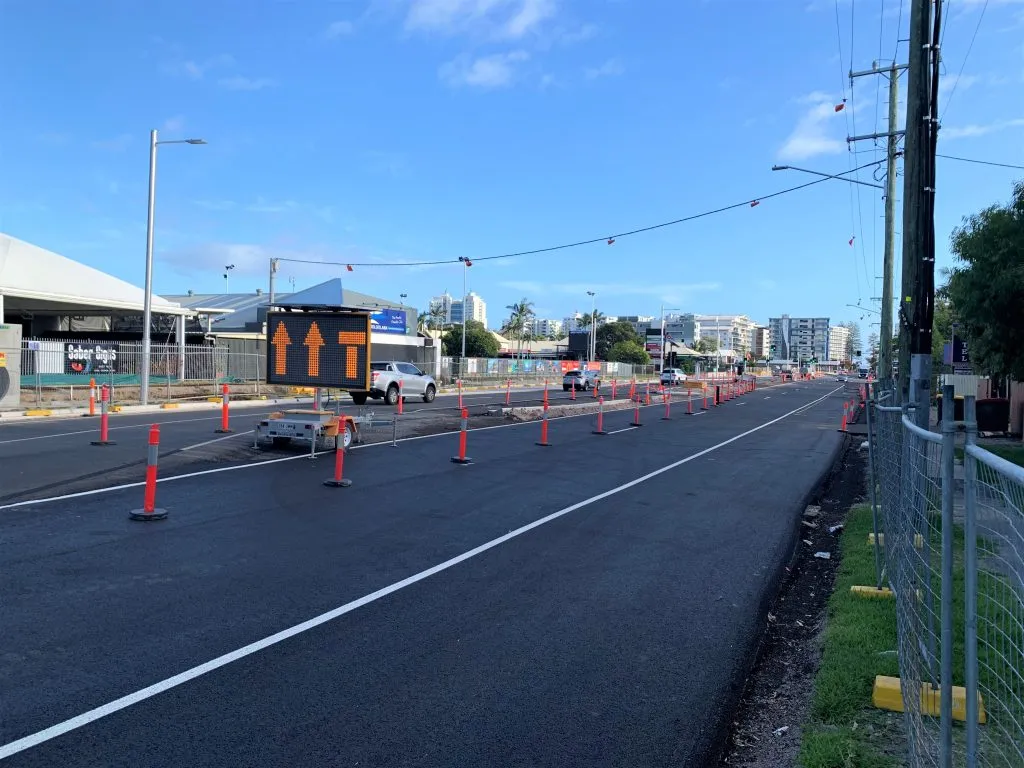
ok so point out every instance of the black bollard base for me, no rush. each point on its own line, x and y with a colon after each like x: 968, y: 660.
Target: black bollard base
x: 143, y: 516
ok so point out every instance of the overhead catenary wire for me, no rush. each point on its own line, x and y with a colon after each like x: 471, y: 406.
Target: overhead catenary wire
x: 751, y: 202
x: 846, y: 117
x: 963, y: 64
x: 981, y: 162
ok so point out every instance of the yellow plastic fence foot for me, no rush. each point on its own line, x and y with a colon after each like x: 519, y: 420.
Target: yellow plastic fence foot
x: 887, y: 694
x: 169, y: 406
x: 918, y: 540
x: 864, y: 591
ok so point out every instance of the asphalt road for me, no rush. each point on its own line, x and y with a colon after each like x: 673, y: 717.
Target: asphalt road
x: 48, y: 456
x: 613, y: 632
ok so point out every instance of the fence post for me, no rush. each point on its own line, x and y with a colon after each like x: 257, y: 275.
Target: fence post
x: 971, y: 582
x: 946, y: 587
x: 872, y: 480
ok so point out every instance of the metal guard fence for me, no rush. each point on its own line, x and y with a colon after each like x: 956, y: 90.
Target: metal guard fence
x: 949, y: 542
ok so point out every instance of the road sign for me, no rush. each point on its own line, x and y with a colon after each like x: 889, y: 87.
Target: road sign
x: 319, y: 349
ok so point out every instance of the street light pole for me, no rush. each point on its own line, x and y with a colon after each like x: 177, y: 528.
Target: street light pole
x: 466, y: 264
x: 147, y: 305
x: 592, y: 347
x: 227, y: 283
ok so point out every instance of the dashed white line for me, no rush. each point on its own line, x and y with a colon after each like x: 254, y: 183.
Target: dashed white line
x: 617, y: 431
x: 216, y: 440
x: 54, y: 731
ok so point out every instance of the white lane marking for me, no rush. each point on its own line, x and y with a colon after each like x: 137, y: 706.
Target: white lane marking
x: 617, y: 431
x: 235, y: 467
x: 123, y: 426
x: 217, y: 440
x: 20, y: 745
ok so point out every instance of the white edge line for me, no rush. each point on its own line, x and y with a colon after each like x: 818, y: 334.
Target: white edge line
x: 217, y: 440
x: 26, y: 742
x: 251, y: 465
x: 617, y: 431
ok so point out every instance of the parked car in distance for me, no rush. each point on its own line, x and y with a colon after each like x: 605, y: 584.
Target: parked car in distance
x: 390, y: 375
x: 581, y: 380
x: 672, y: 376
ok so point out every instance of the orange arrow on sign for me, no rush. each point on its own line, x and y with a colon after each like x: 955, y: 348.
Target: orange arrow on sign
x: 281, y: 340
x: 314, y: 340
x: 349, y: 339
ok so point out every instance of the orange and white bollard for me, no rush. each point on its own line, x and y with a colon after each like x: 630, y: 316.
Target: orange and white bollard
x: 92, y: 397
x: 597, y: 387
x: 614, y: 386
x: 459, y: 382
x: 632, y: 388
x: 545, y: 394
x: 401, y: 399
x: 704, y: 400
x: 647, y: 400
x: 104, y: 418
x: 668, y: 407
x: 149, y: 510
x: 508, y: 392
x: 689, y: 404
x: 464, y: 427
x: 225, y: 410
x: 339, y: 480
x: 636, y: 414
x: 544, y: 425
x: 600, y: 417
x: 572, y: 390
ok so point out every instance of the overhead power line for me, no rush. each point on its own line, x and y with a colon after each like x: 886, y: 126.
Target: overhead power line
x: 981, y: 162
x: 960, y: 74
x: 751, y: 203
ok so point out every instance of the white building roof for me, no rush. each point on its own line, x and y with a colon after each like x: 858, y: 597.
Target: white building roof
x: 30, y: 272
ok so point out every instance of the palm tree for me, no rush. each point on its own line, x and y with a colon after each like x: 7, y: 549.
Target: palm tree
x: 583, y: 321
x: 423, y: 322
x: 437, y: 315
x: 519, y: 319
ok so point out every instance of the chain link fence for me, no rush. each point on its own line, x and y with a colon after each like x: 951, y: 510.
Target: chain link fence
x: 950, y: 544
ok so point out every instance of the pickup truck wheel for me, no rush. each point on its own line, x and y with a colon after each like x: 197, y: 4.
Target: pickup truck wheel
x: 391, y: 397
x: 359, y: 398
x: 430, y: 394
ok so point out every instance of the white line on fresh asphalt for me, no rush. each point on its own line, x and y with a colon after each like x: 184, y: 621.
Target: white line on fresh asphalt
x: 617, y: 431
x: 20, y: 745
x: 147, y: 425
x: 216, y: 440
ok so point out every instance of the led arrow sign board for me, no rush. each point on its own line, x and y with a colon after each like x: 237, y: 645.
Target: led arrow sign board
x: 319, y: 349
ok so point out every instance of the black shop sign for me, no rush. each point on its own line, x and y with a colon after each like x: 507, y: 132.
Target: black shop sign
x: 90, y: 359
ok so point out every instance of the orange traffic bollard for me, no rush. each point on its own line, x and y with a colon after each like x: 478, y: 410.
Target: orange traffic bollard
x: 508, y: 392
x: 462, y: 458
x: 636, y: 414
x: 600, y: 418
x: 149, y: 510
x: 104, y: 418
x: 339, y: 480
x: 544, y: 426
x: 225, y: 415
x: 668, y: 407
x: 92, y: 397
x: 401, y: 400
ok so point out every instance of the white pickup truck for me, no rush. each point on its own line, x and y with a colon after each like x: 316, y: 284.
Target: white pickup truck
x: 388, y: 376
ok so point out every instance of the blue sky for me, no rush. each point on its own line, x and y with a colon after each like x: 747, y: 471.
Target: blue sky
x: 407, y: 130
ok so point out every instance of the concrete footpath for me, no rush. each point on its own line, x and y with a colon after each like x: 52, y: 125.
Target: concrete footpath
x: 593, y: 603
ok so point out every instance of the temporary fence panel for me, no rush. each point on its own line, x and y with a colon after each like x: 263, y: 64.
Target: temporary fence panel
x: 953, y: 554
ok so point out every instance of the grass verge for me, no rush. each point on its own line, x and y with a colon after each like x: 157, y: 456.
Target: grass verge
x: 844, y: 729
x: 1012, y: 453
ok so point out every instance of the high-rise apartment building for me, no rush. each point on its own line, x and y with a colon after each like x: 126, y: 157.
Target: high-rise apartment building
x: 762, y: 345
x: 543, y: 328
x: 798, y: 339
x: 442, y: 307
x: 476, y: 309
x: 735, y: 332
x: 838, y: 338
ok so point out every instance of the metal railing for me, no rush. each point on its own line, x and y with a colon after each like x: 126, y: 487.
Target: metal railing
x: 950, y: 544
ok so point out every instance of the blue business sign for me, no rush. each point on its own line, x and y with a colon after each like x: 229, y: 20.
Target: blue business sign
x: 388, y: 321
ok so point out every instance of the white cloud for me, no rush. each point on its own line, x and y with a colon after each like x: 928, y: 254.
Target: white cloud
x: 510, y: 19
x: 963, y: 82
x: 240, y: 83
x: 495, y: 71
x: 339, y: 29
x: 266, y: 206
x: 610, y: 68
x: 116, y: 144
x: 975, y: 129
x: 196, y: 70
x: 813, y: 135
x: 174, y: 124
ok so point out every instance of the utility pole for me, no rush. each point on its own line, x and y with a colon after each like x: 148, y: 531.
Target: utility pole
x: 273, y: 274
x: 918, y: 233
x: 893, y: 136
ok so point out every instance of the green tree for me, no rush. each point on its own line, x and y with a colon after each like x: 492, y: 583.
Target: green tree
x: 873, y: 351
x: 610, y: 334
x: 437, y: 317
x: 706, y: 345
x: 628, y: 351
x: 853, y: 343
x: 987, y: 286
x: 584, y: 320
x: 942, y: 328
x: 423, y: 322
x: 519, y: 322
x: 479, y: 341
